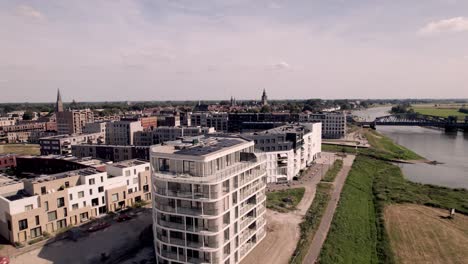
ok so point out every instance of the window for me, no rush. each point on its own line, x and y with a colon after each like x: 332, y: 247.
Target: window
x: 37, y: 220
x: 60, y: 202
x: 115, y: 197
x: 65, y: 212
x: 95, y: 202
x: 103, y: 200
x: 75, y: 206
x: 62, y: 223
x: 135, y: 180
x: 71, y: 196
x: 28, y: 207
x: 90, y: 191
x: 81, y: 194
x: 101, y: 189
x: 51, y: 216
x: 145, y: 188
x: 46, y: 205
x: 127, y: 173
x: 147, y: 168
x: 102, y: 179
x: 67, y: 184
x: 43, y: 190
x: 23, y: 224
x: 36, y: 232
x: 91, y: 181
x: 84, y: 203
x: 130, y: 191
x: 84, y: 217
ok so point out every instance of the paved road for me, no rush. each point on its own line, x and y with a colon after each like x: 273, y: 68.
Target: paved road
x: 322, y: 231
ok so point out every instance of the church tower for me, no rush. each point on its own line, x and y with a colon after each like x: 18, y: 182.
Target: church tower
x: 59, y: 104
x: 264, y: 98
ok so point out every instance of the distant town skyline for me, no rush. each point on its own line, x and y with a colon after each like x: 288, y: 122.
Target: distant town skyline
x: 212, y: 50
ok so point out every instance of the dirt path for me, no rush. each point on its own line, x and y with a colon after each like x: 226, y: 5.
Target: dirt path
x: 322, y: 231
x: 283, y: 228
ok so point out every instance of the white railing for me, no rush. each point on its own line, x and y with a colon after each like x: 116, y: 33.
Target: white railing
x: 218, y: 176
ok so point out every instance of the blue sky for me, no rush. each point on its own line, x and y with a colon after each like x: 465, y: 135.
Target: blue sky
x: 213, y: 49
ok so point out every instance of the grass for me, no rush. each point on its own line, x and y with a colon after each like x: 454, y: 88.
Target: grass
x: 353, y: 234
x: 333, y: 171
x: 311, y: 222
x: 382, y: 147
x: 421, y: 234
x: 357, y: 233
x: 439, y: 111
x: 285, y: 200
x: 20, y: 149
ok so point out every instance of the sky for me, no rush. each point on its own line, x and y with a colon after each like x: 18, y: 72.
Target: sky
x: 114, y: 50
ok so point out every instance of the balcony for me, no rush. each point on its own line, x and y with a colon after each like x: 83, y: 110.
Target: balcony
x: 217, y: 177
x: 247, y: 221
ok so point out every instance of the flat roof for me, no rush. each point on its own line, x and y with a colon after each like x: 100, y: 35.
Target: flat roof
x: 128, y: 163
x: 290, y: 128
x: 81, y: 172
x: 200, y: 146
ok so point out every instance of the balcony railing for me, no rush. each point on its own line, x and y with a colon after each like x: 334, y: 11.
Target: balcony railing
x: 216, y: 177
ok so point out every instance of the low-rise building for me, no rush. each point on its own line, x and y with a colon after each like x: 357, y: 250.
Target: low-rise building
x: 288, y: 149
x: 61, y: 144
x: 163, y: 134
x: 113, y: 153
x: 333, y: 124
x: 7, y: 161
x: 54, y: 202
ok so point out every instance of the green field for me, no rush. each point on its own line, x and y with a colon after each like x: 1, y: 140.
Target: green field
x: 357, y: 234
x: 285, y: 200
x: 333, y: 171
x: 439, y: 111
x: 382, y: 147
x: 20, y: 149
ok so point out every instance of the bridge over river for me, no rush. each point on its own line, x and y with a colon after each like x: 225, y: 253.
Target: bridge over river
x: 451, y: 123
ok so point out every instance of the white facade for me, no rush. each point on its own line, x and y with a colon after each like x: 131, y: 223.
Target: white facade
x: 209, y: 201
x: 285, y: 158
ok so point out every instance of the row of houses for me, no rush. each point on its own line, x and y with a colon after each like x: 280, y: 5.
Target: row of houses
x: 49, y: 203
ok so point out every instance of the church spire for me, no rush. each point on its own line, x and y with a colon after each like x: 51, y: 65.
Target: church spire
x: 264, y: 97
x: 59, y: 104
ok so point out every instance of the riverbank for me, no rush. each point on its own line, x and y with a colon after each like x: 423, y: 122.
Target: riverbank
x: 358, y: 232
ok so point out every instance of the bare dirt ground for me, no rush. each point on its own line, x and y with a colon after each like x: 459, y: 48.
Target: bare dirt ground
x: 421, y: 234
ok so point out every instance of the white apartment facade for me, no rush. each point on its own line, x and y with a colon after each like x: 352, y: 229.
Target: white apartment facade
x: 288, y: 149
x: 333, y: 124
x: 210, y: 201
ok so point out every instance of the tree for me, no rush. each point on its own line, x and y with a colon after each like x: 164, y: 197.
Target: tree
x: 28, y: 115
x: 265, y: 109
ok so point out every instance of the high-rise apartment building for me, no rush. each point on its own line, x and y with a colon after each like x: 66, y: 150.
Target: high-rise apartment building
x: 209, y: 204
x: 121, y: 132
x: 73, y: 121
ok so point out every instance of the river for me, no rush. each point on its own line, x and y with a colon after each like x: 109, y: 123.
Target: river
x: 433, y: 144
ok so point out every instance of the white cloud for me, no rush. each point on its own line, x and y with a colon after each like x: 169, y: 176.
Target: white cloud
x: 455, y: 24
x: 29, y: 11
x: 281, y: 65
x: 274, y: 5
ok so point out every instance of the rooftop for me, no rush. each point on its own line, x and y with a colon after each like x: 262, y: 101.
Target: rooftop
x: 82, y: 172
x: 128, y: 163
x: 290, y: 128
x: 198, y: 146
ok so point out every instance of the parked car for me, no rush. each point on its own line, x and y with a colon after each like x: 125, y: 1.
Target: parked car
x: 98, y: 226
x: 4, y: 260
x: 124, y: 217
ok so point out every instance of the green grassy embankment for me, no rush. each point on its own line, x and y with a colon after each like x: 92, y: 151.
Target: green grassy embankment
x: 285, y: 200
x: 333, y: 171
x: 440, y: 111
x: 311, y: 222
x: 357, y: 234
x: 382, y: 147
